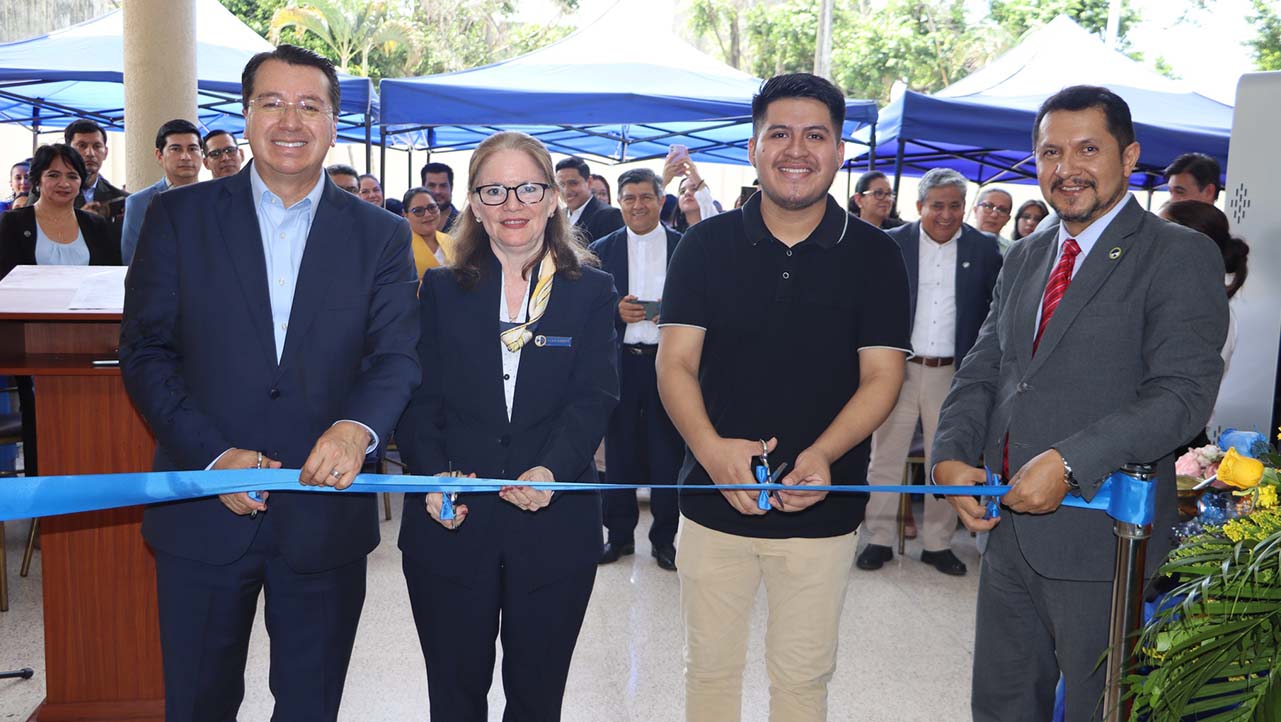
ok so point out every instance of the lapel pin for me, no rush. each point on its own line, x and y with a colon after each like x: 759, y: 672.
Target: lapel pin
x: 26, y: 234
x: 1115, y: 253
x: 540, y: 340
x: 966, y: 264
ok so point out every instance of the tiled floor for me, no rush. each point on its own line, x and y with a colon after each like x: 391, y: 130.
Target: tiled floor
x: 906, y: 646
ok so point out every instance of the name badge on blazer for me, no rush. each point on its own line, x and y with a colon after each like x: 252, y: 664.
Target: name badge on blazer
x: 553, y: 341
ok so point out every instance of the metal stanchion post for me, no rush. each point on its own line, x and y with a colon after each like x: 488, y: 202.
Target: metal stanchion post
x: 1127, y: 602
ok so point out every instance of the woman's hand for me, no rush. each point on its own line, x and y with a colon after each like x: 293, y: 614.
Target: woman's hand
x: 435, y: 499
x: 525, y: 497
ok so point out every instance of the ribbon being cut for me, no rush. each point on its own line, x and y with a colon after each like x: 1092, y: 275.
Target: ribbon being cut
x: 1123, y: 497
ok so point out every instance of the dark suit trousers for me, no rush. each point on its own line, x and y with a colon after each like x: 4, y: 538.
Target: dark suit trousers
x: 641, y: 446
x: 207, y: 613
x: 459, y: 622
x: 1029, y: 628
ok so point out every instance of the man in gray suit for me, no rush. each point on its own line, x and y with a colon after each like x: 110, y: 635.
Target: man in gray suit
x: 1073, y: 375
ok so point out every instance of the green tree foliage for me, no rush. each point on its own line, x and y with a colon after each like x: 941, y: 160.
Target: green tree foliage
x: 1019, y: 16
x: 351, y: 30
x: 1266, y: 46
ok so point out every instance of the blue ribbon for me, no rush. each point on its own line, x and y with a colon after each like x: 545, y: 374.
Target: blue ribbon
x: 1122, y: 497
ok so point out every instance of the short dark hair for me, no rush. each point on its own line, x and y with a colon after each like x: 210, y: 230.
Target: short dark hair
x: 575, y: 163
x: 799, y: 85
x: 436, y: 168
x: 44, y: 156
x: 1084, y: 97
x: 176, y: 126
x: 371, y: 176
x: 414, y: 193
x: 1204, y: 169
x: 204, y: 142
x: 293, y: 55
x: 641, y: 175
x: 82, y: 125
x: 342, y: 169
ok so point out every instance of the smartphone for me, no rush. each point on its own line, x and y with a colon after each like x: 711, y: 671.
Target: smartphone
x: 116, y: 206
x: 651, y: 308
x: 678, y: 152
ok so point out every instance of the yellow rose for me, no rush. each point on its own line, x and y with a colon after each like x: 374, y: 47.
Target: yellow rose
x: 1240, y: 472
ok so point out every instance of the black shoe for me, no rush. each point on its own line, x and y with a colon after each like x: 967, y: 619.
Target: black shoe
x: 874, y: 557
x: 946, y: 562
x: 666, y: 556
x: 613, y: 551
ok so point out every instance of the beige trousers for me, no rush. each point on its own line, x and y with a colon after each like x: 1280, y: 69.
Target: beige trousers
x: 921, y: 398
x: 805, y: 582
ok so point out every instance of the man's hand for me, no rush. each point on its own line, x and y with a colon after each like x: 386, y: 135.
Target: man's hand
x: 813, y: 468
x: 98, y: 207
x: 956, y: 473
x: 240, y: 503
x: 435, y: 500
x: 525, y: 497
x: 336, y: 458
x: 729, y: 461
x: 630, y: 310
x: 1039, y: 487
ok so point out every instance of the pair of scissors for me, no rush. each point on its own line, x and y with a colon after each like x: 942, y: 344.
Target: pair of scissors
x: 764, y: 476
x: 992, y: 503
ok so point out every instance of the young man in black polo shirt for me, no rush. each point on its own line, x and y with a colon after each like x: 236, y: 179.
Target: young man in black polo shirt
x: 784, y: 323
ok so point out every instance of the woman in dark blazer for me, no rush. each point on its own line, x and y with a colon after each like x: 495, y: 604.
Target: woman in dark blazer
x: 52, y: 231
x: 519, y: 377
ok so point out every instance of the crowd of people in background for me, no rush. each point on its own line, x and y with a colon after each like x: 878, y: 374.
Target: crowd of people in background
x: 573, y: 263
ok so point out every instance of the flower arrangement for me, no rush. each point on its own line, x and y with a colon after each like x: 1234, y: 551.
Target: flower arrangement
x: 1212, y: 651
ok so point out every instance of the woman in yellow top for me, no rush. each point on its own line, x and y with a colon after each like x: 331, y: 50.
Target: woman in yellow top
x: 432, y: 247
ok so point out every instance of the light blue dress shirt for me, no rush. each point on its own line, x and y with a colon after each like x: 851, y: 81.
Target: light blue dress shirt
x: 51, y: 253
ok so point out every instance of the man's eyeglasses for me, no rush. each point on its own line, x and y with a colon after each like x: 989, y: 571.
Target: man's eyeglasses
x: 993, y: 207
x: 230, y: 152
x: 307, y: 109
x: 880, y: 195
x: 421, y: 211
x: 496, y: 194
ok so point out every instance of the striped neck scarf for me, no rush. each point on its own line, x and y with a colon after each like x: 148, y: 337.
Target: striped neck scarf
x: 517, y: 336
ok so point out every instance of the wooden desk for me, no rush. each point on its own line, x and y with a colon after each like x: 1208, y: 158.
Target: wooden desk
x: 101, y: 625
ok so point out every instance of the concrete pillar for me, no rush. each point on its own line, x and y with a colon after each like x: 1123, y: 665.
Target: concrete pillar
x: 160, y: 78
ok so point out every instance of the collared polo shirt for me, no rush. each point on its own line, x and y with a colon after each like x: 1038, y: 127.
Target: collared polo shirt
x: 780, y: 356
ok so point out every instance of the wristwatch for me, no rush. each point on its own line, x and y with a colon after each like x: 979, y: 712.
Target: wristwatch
x: 1068, y: 478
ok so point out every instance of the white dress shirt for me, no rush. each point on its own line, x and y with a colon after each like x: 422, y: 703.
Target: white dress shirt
x: 511, y: 359
x: 934, y: 325
x: 577, y: 213
x: 646, y: 274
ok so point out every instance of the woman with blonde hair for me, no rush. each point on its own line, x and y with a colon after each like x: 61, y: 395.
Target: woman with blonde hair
x: 519, y: 377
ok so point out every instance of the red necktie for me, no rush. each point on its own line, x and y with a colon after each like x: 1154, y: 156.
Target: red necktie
x: 1060, y: 279
x: 1058, y: 284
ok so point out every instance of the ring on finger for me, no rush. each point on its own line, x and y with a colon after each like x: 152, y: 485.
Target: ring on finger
x: 335, y: 473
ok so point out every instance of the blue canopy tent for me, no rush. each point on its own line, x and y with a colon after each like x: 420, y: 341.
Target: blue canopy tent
x: 591, y: 94
x: 981, y: 126
x: 78, y: 72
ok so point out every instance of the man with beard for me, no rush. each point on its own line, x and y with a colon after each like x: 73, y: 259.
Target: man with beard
x: 784, y: 332
x: 179, y: 154
x: 1101, y: 348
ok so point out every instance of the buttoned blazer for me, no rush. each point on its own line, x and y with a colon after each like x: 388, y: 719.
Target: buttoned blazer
x: 612, y: 252
x: 978, y: 262
x: 597, y: 219
x: 18, y: 239
x: 198, y: 358
x: 457, y: 420
x: 1127, y: 371
x: 136, y: 205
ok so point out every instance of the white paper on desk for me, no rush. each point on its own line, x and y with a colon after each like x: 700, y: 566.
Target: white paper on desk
x: 101, y: 291
x: 43, y: 278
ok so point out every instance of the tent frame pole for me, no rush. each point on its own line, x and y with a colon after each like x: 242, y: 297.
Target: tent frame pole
x: 898, y: 172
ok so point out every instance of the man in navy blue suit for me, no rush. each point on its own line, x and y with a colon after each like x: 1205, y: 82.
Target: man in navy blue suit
x: 641, y: 445
x: 951, y: 271
x: 269, y: 320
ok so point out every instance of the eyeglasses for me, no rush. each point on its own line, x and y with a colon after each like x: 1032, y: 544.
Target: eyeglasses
x: 229, y: 151
x: 496, y: 194
x: 307, y: 109
x: 880, y: 195
x: 421, y: 211
x: 993, y: 207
